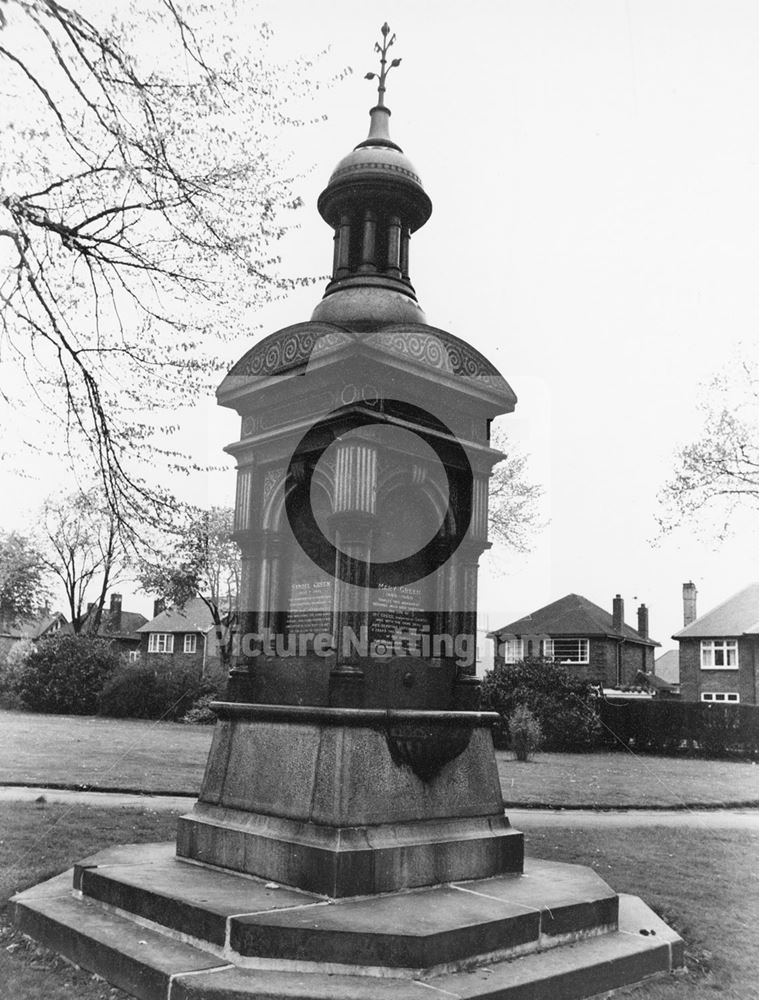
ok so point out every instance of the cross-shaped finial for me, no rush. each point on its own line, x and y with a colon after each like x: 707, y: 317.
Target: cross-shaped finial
x: 384, y: 68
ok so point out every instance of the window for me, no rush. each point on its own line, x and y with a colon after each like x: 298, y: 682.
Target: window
x: 567, y: 650
x: 720, y: 696
x: 134, y: 655
x: 719, y: 654
x: 190, y: 643
x: 511, y: 650
x: 161, y: 642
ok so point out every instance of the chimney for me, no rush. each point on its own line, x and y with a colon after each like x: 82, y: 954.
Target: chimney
x: 159, y: 605
x: 618, y: 613
x: 689, y: 603
x: 115, y: 612
x: 643, y: 621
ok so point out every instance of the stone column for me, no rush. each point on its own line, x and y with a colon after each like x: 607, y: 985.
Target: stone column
x: 394, y: 246
x: 405, y: 238
x: 369, y: 243
x: 342, y: 247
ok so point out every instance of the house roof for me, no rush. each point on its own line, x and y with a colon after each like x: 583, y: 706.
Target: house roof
x: 667, y: 666
x: 573, y: 615
x: 33, y: 628
x: 738, y: 615
x: 128, y: 624
x: 192, y: 617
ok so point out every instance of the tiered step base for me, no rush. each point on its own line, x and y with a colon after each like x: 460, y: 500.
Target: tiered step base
x: 166, y: 929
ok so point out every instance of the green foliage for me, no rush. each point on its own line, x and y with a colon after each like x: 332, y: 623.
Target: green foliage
x: 65, y: 674
x: 138, y: 691
x: 23, y: 587
x: 671, y: 726
x: 564, y: 706
x: 525, y: 734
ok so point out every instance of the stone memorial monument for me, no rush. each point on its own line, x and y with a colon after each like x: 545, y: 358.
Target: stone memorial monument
x: 349, y: 839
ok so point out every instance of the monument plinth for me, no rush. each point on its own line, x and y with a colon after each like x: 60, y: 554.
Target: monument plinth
x: 349, y: 838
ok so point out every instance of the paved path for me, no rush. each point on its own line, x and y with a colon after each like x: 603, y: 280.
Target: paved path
x: 522, y: 819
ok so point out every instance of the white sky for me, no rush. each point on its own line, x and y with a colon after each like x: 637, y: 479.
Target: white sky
x: 593, y: 167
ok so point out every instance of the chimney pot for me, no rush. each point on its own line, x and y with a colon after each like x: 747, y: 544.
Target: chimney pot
x: 689, y: 603
x: 618, y: 613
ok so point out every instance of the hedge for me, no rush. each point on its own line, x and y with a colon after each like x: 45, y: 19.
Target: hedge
x: 670, y: 726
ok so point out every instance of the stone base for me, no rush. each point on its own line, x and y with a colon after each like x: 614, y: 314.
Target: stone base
x: 347, y: 802
x: 166, y: 929
x: 350, y: 861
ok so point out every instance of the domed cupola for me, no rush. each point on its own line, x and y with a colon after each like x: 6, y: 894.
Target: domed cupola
x: 374, y: 201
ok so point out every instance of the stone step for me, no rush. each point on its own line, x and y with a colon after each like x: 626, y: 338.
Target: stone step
x: 138, y: 959
x: 154, y: 966
x: 417, y: 930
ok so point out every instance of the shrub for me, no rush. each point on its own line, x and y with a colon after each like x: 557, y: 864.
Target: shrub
x: 138, y: 691
x: 65, y: 674
x: 200, y: 714
x: 525, y: 734
x: 564, y: 706
x: 10, y: 673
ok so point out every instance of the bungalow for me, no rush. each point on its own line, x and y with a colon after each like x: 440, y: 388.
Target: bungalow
x: 598, y: 646
x: 719, y: 652
x: 184, y: 638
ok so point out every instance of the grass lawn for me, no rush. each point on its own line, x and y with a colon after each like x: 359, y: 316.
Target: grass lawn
x: 167, y: 757
x: 106, y: 753
x: 706, y: 886
x: 622, y: 779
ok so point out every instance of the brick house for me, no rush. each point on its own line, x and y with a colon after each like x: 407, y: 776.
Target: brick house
x: 719, y: 652
x: 182, y: 638
x: 120, y: 627
x: 574, y: 631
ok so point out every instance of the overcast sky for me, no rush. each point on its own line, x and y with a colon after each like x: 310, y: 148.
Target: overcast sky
x: 593, y: 167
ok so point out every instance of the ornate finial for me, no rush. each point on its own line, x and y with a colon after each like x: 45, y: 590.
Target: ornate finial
x: 384, y: 68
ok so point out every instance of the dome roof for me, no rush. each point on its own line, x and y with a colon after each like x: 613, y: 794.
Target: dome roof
x: 376, y: 167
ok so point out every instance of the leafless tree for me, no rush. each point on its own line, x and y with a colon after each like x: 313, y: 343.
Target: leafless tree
x: 514, y: 506
x: 203, y: 560
x: 85, y: 551
x: 140, y: 201
x: 717, y: 474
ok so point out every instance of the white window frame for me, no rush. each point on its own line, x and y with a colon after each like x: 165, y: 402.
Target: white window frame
x: 721, y: 697
x: 512, y: 650
x: 134, y: 655
x: 714, y: 649
x: 161, y: 642
x: 583, y: 650
x: 190, y: 642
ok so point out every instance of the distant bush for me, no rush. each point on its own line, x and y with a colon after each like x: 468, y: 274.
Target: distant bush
x: 65, y: 674
x: 525, y: 734
x: 138, y: 691
x: 564, y: 706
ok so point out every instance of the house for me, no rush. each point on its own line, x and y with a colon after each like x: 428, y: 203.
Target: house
x: 719, y: 652
x: 31, y: 629
x: 597, y: 645
x: 184, y: 638
x: 120, y: 627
